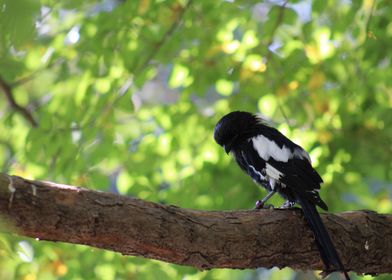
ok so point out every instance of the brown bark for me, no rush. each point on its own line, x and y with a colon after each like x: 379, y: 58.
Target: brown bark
x: 203, y: 239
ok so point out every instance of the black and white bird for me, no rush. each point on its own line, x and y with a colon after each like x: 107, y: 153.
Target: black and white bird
x: 279, y: 165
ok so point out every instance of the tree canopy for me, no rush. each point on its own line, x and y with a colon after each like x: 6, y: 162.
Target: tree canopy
x: 124, y: 96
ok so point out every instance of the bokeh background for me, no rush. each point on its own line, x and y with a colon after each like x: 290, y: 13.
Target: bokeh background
x: 123, y: 96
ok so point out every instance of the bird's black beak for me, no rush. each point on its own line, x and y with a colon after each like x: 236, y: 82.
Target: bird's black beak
x: 227, y: 149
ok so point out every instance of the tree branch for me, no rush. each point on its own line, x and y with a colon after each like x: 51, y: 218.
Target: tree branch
x: 203, y: 239
x: 7, y: 89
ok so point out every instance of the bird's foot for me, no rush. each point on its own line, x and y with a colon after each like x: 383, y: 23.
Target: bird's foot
x: 261, y: 205
x: 287, y: 205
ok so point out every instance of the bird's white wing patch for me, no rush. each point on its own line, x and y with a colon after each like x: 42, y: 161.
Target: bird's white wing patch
x: 272, y: 172
x: 267, y: 148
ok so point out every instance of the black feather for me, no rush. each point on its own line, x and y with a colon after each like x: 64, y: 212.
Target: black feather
x: 327, y: 250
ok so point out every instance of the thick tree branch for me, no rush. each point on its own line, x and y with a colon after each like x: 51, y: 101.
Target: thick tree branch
x: 203, y: 239
x: 7, y: 89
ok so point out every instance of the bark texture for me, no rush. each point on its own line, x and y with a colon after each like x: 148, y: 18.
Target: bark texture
x: 203, y: 239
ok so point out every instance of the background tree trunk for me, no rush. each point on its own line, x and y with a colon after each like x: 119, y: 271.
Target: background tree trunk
x: 203, y: 239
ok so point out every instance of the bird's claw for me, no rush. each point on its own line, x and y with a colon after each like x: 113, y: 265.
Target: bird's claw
x: 287, y: 205
x: 260, y: 205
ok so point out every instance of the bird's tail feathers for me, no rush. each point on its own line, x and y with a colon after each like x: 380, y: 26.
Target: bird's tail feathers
x: 327, y: 250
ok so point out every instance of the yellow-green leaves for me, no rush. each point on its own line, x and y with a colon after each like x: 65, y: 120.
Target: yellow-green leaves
x: 179, y: 76
x: 322, y: 47
x: 130, y: 103
x: 268, y: 105
x: 224, y: 87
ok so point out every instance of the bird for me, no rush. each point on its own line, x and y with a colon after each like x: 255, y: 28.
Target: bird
x: 280, y: 166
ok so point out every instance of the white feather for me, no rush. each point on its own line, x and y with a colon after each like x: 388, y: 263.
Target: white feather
x: 272, y: 183
x: 272, y: 172
x: 267, y: 148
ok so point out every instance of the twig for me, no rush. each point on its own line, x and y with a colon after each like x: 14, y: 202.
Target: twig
x: 7, y: 89
x: 153, y: 53
x: 282, y: 111
x: 165, y: 37
x: 367, y: 28
x: 32, y: 75
x: 277, y: 23
x: 269, y: 53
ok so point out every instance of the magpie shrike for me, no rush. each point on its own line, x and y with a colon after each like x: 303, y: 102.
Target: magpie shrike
x: 279, y: 165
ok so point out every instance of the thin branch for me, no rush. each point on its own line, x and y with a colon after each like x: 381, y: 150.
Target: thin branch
x: 367, y: 29
x: 203, y: 239
x: 278, y: 22
x: 7, y: 89
x: 158, y: 46
x: 282, y: 111
x: 32, y: 75
x: 154, y: 52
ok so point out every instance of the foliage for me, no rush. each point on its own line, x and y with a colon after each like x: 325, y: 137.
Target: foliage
x: 127, y: 93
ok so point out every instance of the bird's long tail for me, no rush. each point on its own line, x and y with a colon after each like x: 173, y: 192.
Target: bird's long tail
x: 327, y: 250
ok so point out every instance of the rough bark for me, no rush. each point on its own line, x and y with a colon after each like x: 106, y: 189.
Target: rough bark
x: 203, y: 239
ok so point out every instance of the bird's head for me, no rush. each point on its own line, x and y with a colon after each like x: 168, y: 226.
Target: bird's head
x: 235, y: 127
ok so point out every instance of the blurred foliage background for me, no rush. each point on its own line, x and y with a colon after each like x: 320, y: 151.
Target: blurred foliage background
x: 125, y: 95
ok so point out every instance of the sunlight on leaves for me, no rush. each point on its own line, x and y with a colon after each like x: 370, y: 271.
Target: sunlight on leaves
x: 224, y: 87
x: 25, y: 251
x: 268, y: 105
x: 127, y: 93
x: 178, y: 76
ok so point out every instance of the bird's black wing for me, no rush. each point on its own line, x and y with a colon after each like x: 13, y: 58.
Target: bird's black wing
x: 288, y: 164
x: 249, y: 161
x: 298, y: 174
